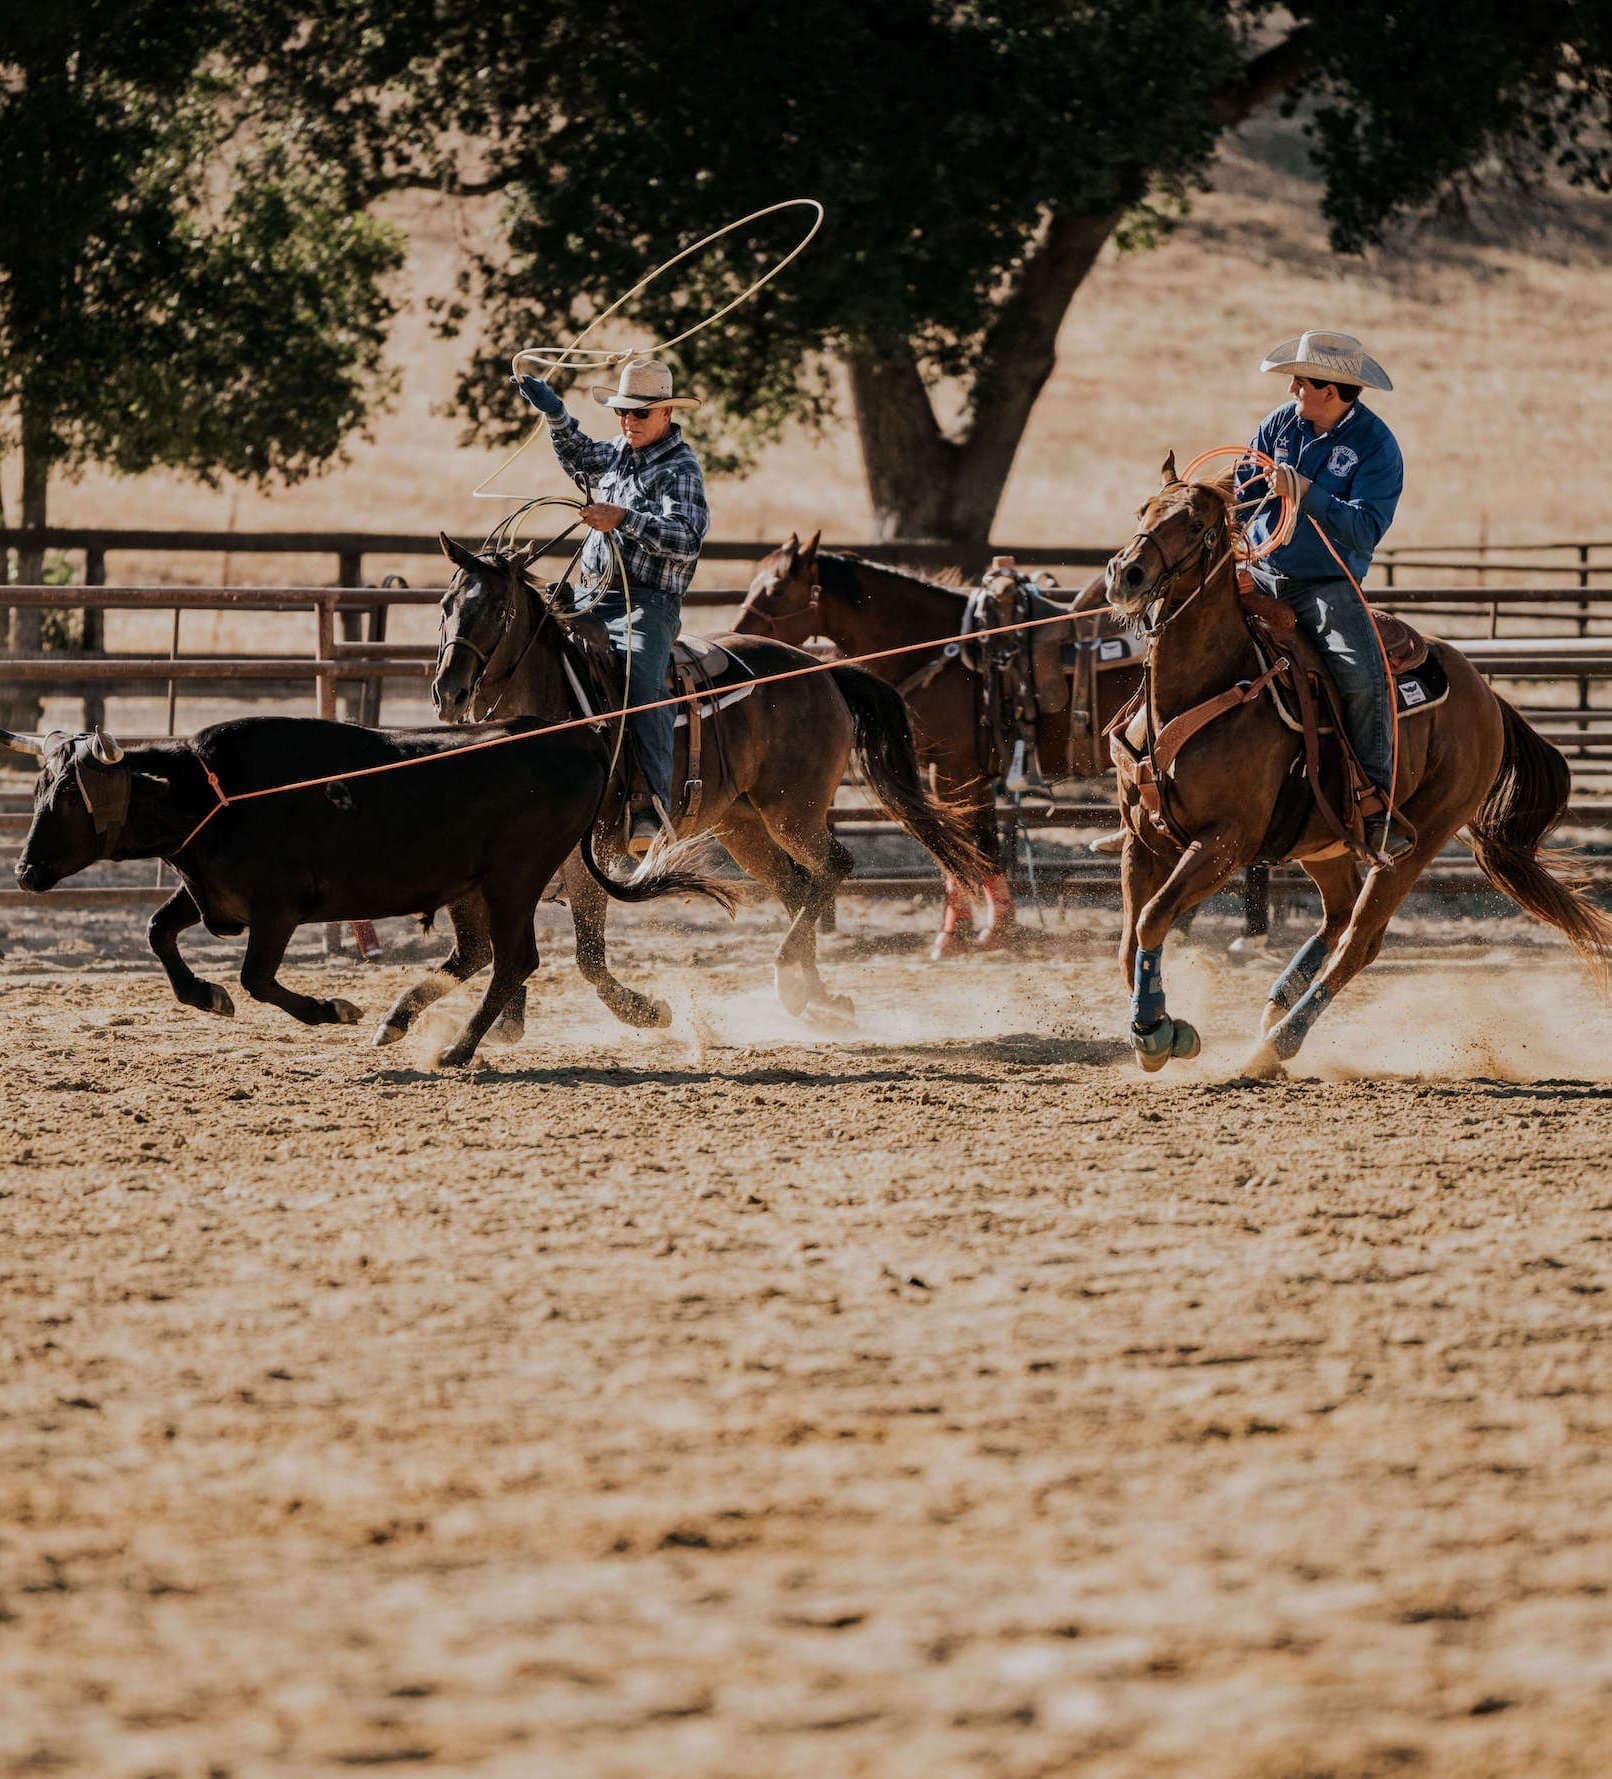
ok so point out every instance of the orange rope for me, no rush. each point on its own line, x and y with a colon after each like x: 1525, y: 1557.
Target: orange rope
x: 766, y: 679
x: 770, y: 679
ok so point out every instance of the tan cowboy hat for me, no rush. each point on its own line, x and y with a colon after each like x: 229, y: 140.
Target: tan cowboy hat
x: 1327, y: 358
x: 645, y: 383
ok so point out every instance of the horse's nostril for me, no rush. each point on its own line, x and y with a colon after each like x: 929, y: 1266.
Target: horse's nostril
x: 1133, y: 576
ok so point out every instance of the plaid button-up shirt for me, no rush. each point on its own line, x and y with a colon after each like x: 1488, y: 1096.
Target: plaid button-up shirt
x: 664, y: 494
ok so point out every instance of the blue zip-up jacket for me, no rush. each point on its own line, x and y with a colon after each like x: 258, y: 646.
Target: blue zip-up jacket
x: 1356, y: 476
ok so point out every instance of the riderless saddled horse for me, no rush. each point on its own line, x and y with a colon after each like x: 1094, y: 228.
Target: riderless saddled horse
x: 759, y: 763
x: 1054, y: 686
x: 1215, y: 772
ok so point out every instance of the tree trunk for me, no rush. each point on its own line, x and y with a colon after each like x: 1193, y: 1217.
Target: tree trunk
x: 20, y: 705
x: 925, y: 486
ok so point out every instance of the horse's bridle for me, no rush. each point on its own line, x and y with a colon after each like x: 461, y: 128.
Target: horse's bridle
x: 484, y: 657
x: 1172, y: 571
x: 811, y: 611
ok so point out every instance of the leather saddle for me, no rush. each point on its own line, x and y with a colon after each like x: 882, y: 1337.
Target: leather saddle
x: 1404, y: 645
x: 705, y: 673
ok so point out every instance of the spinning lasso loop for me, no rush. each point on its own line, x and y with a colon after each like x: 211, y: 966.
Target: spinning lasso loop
x: 580, y: 357
x: 1282, y: 533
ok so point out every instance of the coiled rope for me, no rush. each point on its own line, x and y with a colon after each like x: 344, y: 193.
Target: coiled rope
x: 592, y: 358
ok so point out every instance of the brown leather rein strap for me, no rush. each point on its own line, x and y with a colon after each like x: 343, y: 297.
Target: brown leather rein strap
x: 1180, y: 730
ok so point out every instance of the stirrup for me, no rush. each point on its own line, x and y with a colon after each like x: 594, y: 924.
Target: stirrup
x: 646, y: 827
x: 1388, y: 837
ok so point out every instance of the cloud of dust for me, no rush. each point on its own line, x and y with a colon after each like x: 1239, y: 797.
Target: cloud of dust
x: 909, y: 1002
x: 1510, y: 1013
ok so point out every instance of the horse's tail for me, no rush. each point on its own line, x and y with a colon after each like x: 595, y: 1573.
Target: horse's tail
x: 667, y: 871
x: 1525, y: 802
x: 888, y: 757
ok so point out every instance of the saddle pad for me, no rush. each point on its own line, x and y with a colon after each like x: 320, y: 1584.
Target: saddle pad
x: 1112, y: 651
x: 703, y: 655
x: 729, y: 679
x: 1420, y: 689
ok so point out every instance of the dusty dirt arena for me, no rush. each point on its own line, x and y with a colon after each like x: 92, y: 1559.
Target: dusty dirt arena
x: 941, y: 1399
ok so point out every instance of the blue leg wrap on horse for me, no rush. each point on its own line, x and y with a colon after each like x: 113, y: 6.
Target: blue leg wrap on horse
x: 1147, y: 988
x: 1300, y: 972
x: 1287, y: 1037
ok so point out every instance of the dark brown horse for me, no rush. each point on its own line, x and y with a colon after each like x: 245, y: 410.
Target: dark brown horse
x: 1472, y: 762
x: 801, y: 591
x: 768, y: 782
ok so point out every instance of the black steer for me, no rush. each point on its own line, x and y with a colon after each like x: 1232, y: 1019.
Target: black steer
x: 478, y: 832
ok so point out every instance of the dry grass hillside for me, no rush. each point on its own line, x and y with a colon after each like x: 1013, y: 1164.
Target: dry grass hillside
x: 1492, y: 338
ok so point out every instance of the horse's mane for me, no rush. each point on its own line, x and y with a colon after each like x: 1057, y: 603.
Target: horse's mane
x: 949, y: 582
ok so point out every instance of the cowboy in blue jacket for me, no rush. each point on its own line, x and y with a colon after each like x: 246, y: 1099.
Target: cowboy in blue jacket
x: 1342, y: 464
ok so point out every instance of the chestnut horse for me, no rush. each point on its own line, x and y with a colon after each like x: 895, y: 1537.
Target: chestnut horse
x: 800, y: 591
x: 1471, y: 762
x: 769, y: 778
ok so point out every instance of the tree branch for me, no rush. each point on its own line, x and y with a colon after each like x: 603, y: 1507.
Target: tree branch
x: 1020, y: 352
x: 1271, y: 73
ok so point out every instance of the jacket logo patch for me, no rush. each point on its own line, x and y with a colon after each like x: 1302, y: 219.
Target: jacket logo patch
x: 1342, y: 460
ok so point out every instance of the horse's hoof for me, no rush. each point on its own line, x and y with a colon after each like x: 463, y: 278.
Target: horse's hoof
x: 387, y: 1033
x: 1154, y: 1047
x: 344, y: 1013
x: 218, y: 1002
x: 998, y: 939
x: 791, y: 992
x: 456, y: 1055
x: 507, y: 1034
x: 949, y: 945
x: 1186, y: 1043
x: 644, y: 1014
x: 834, y: 1014
x: 1264, y: 1064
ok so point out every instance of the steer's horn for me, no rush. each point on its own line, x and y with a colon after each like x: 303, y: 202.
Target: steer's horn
x: 104, y: 748
x: 23, y: 744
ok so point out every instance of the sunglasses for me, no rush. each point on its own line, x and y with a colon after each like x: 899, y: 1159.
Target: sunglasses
x: 635, y: 413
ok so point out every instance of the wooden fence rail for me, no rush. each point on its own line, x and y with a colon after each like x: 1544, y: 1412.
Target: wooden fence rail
x: 336, y: 661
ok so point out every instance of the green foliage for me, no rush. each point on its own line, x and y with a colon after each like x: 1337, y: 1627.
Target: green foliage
x: 183, y: 281
x: 1413, y: 101
x: 938, y: 134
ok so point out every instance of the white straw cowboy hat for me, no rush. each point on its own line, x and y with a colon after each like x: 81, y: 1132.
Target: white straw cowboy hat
x: 645, y: 382
x: 1327, y: 358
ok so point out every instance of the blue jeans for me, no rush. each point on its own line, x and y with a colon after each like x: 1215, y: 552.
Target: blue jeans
x: 1332, y: 616
x: 648, y: 648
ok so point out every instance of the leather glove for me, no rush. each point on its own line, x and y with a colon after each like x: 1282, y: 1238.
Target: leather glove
x: 1287, y: 482
x: 541, y: 396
